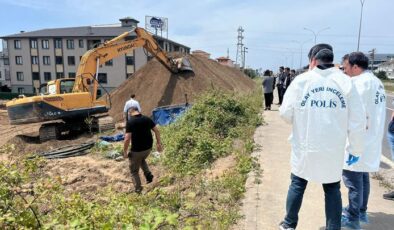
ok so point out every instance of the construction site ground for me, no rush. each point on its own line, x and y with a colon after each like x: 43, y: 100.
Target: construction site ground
x: 154, y: 86
x: 265, y: 197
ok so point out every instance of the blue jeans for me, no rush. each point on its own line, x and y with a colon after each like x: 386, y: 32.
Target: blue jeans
x: 333, y: 203
x: 390, y: 139
x: 358, y: 185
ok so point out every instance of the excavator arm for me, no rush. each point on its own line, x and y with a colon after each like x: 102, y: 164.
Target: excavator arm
x: 91, y: 60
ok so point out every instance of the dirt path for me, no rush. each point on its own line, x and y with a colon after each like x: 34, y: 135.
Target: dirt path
x: 264, y: 203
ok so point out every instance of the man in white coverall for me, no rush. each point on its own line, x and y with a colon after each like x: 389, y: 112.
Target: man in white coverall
x: 356, y: 177
x: 324, y: 109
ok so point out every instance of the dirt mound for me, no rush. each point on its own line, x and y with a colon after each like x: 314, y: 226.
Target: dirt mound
x: 155, y: 86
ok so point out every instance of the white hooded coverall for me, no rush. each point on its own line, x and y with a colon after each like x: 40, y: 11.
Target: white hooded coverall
x: 325, y: 109
x: 373, y: 97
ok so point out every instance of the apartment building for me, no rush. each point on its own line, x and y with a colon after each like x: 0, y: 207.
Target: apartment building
x: 5, y: 79
x: 36, y: 57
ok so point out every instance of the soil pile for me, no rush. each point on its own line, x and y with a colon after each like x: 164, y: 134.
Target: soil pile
x: 155, y: 86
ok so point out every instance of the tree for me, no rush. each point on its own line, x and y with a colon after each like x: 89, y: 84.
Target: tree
x: 381, y: 75
x: 252, y: 73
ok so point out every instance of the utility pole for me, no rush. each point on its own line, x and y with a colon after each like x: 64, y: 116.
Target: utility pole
x: 372, y: 54
x: 301, y: 46
x: 318, y: 32
x: 239, y: 56
x: 359, y: 28
x: 244, y: 56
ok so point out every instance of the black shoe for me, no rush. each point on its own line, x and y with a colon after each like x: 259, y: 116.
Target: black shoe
x: 389, y: 196
x: 149, y: 178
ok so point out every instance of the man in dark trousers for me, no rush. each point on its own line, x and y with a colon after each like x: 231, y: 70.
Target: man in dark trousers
x: 280, y: 81
x: 268, y: 88
x: 138, y: 131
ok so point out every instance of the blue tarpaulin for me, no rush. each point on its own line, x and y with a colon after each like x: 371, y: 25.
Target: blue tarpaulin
x: 168, y: 114
x: 114, y: 138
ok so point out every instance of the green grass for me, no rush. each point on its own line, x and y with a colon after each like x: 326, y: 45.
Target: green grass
x: 388, y: 85
x: 184, y: 199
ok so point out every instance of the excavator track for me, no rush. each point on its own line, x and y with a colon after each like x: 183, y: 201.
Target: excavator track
x: 50, y: 131
x: 104, y: 124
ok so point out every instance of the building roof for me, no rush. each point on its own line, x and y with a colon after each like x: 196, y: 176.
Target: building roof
x: 200, y: 51
x: 82, y: 31
x: 223, y: 58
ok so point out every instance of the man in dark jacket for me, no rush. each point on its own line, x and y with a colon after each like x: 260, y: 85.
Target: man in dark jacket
x: 138, y: 132
x: 280, y: 84
x: 268, y: 88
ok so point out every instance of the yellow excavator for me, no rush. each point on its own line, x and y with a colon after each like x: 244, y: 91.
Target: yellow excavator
x: 73, y: 101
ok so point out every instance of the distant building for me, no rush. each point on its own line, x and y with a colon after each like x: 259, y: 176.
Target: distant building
x: 225, y: 61
x: 4, y: 71
x: 201, y: 53
x: 380, y: 58
x: 387, y: 67
x: 33, y: 58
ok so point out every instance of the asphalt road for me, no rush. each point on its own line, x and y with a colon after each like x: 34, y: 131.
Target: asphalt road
x: 389, y: 110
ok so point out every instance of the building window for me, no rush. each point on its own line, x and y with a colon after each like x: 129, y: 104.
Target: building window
x: 33, y: 44
x: 17, y: 44
x: 71, y: 74
x: 18, y: 60
x: 93, y: 43
x: 6, y: 61
x: 34, y: 60
x: 129, y: 60
x: 47, y: 76
x: 21, y: 90
x: 19, y: 76
x: 109, y: 63
x: 149, y: 57
x: 80, y: 43
x: 5, y: 44
x: 46, y: 60
x: 70, y: 44
x: 129, y: 75
x: 36, y: 76
x: 99, y: 93
x: 59, y: 75
x: 45, y: 44
x: 71, y: 60
x: 59, y: 60
x: 58, y: 43
x: 102, y: 78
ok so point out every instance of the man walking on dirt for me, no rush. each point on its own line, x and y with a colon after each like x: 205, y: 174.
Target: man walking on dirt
x: 139, y: 132
x: 324, y: 109
x: 356, y: 177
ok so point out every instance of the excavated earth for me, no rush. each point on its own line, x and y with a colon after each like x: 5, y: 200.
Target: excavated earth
x: 155, y: 86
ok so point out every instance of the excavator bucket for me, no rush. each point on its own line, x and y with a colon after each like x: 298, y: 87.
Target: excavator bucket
x: 183, y: 64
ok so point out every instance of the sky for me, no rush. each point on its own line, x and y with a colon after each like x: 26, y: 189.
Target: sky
x: 273, y: 30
